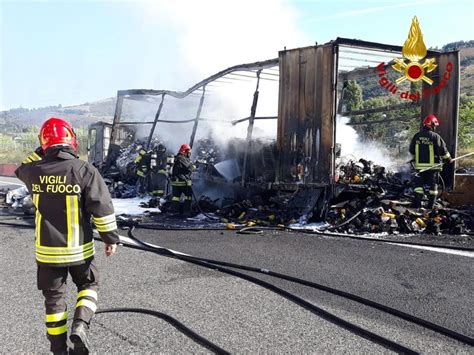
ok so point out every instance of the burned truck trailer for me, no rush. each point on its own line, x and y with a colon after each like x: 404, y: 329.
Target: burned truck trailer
x: 311, y: 84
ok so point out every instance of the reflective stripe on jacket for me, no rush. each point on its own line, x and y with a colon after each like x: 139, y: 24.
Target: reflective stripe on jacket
x: 67, y: 192
x: 182, y: 170
x: 428, y: 147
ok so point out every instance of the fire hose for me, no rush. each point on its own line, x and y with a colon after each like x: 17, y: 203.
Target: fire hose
x: 325, y: 315
x: 212, y: 263
x: 174, y: 322
x: 441, y: 164
x: 386, y: 343
x: 200, y: 210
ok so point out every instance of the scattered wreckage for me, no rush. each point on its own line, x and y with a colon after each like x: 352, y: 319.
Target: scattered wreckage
x: 369, y: 199
x: 295, y: 177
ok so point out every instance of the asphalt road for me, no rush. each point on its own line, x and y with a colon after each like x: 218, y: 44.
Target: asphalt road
x: 237, y: 315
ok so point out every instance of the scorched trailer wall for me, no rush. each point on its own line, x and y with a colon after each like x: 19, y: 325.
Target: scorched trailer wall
x: 307, y: 102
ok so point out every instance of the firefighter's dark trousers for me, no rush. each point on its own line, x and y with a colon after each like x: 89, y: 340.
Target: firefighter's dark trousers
x: 157, y: 183
x: 52, y: 282
x: 430, y: 178
x: 187, y: 191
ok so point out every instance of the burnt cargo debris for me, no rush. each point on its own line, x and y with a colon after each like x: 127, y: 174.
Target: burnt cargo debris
x: 371, y: 199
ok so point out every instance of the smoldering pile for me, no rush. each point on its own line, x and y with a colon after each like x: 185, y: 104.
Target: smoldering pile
x: 257, y: 210
x: 373, y: 200
x: 207, y: 151
x: 228, y: 162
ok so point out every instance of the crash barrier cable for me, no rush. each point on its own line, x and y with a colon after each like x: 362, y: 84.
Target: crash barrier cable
x: 175, y: 323
x: 384, y: 342
x: 408, y: 317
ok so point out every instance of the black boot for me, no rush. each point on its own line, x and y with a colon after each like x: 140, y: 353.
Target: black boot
x: 79, y: 337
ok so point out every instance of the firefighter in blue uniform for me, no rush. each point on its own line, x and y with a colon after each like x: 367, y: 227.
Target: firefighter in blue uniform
x: 67, y: 193
x: 429, y: 150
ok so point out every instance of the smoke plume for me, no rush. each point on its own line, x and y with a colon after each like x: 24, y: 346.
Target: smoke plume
x: 211, y: 36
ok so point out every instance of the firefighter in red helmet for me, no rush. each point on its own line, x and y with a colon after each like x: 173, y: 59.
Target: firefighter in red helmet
x: 67, y: 192
x: 429, y: 149
x: 181, y: 182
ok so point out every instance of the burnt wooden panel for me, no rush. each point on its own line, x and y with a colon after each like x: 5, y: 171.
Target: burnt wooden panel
x: 305, y: 115
x: 442, y: 99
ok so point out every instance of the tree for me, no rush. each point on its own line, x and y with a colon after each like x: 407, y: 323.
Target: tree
x: 466, y: 123
x: 352, y: 95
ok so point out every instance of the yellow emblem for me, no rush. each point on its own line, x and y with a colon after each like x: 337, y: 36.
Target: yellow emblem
x: 414, y: 50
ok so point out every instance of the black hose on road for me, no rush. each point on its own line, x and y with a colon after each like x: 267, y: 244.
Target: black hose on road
x: 355, y: 329
x: 175, y: 323
x: 408, y: 317
x: 21, y: 225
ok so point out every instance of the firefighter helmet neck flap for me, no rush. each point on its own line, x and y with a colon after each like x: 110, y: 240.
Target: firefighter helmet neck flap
x: 431, y: 122
x: 56, y: 131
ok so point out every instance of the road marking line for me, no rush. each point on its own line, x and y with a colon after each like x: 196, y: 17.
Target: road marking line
x: 469, y: 254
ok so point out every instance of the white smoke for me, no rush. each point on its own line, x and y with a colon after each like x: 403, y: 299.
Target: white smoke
x: 213, y: 35
x: 355, y: 148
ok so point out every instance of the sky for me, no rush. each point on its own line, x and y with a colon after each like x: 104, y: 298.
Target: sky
x: 71, y: 52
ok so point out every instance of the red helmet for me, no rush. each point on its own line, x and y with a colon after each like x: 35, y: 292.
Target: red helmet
x: 184, y: 149
x: 431, y: 121
x: 57, y: 131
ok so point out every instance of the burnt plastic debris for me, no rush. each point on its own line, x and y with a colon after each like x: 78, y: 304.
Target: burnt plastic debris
x: 371, y: 199
x: 366, y: 197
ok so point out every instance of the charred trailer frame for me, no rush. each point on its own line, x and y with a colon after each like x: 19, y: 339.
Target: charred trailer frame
x: 98, y: 142
x: 308, y: 102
